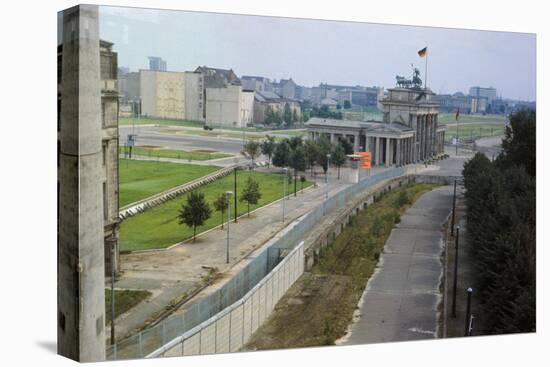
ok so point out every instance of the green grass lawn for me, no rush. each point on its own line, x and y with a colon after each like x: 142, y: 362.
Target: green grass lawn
x: 448, y: 118
x: 293, y: 132
x: 473, y: 131
x: 124, y: 300
x: 158, y: 227
x: 158, y: 121
x: 141, y: 179
x: 174, y: 153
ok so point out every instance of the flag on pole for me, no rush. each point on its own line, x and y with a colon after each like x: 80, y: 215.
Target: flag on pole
x: 423, y: 52
x: 457, y: 114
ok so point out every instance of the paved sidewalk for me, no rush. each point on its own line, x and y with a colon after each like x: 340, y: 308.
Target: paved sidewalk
x: 401, y: 299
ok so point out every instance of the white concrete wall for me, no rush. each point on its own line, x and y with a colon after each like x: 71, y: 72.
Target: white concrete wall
x: 223, y: 106
x: 247, y: 105
x: 194, y: 101
x: 232, y: 328
x: 148, y: 92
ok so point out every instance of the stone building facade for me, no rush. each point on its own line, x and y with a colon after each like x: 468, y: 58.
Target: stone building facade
x: 408, y: 133
x: 172, y: 94
x: 87, y: 129
x: 229, y: 106
x: 265, y: 100
x: 109, y: 144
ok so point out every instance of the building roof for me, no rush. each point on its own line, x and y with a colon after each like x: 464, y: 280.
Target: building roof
x: 252, y: 77
x: 218, y: 78
x: 367, y: 126
x: 272, y: 97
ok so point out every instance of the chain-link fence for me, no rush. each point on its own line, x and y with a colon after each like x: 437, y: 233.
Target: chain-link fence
x: 152, y: 339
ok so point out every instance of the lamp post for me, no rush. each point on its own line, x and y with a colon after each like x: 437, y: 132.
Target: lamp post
x: 112, y: 242
x: 326, y: 175
x: 285, y: 170
x: 236, y: 160
x: 228, y: 193
x: 455, y: 280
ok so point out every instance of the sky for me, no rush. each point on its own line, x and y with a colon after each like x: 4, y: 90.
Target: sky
x: 315, y: 51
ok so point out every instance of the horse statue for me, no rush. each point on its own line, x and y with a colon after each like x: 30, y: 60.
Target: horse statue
x: 416, y: 81
x: 402, y: 82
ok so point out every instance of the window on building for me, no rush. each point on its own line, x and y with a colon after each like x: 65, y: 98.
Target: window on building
x: 59, y: 114
x: 105, y: 206
x: 104, y: 153
x: 103, y: 114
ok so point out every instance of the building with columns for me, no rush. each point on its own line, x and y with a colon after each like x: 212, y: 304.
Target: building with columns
x: 408, y: 133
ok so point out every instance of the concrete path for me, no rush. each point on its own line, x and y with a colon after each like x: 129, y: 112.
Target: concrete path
x: 401, y: 299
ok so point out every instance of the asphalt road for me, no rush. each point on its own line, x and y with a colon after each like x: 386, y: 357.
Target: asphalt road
x: 162, y: 136
x: 401, y: 299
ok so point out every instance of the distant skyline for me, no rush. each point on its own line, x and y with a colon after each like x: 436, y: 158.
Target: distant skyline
x: 319, y: 51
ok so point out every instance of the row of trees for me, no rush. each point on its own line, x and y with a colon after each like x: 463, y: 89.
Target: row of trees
x: 288, y: 117
x: 500, y: 197
x: 325, y: 112
x: 196, y: 210
x: 300, y: 155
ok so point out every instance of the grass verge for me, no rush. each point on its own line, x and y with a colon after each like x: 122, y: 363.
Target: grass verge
x: 155, y: 152
x: 125, y: 299
x: 449, y: 118
x: 319, y: 306
x: 141, y: 179
x: 158, y: 121
x: 473, y: 131
x: 158, y: 227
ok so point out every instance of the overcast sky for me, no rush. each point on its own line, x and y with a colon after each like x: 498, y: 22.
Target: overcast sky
x: 314, y: 51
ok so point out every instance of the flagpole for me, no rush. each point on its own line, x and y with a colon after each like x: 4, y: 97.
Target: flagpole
x: 426, y: 71
x: 457, y: 114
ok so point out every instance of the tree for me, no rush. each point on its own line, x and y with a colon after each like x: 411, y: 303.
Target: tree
x: 281, y: 156
x: 310, y: 150
x: 338, y: 157
x: 347, y: 104
x: 295, y: 118
x: 519, y: 143
x: 252, y: 151
x: 220, y: 204
x: 501, y: 201
x: 195, y: 211
x: 272, y: 117
x: 348, y: 148
x: 323, y: 148
x: 251, y: 192
x: 287, y: 114
x: 338, y: 106
x: 302, y: 180
x: 268, y: 115
x: 295, y: 142
x: 268, y: 147
x: 297, y: 162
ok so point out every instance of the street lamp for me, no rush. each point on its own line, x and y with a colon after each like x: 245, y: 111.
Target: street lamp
x: 285, y: 170
x: 236, y: 160
x: 228, y: 193
x: 417, y: 148
x: 112, y: 242
x: 326, y: 175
